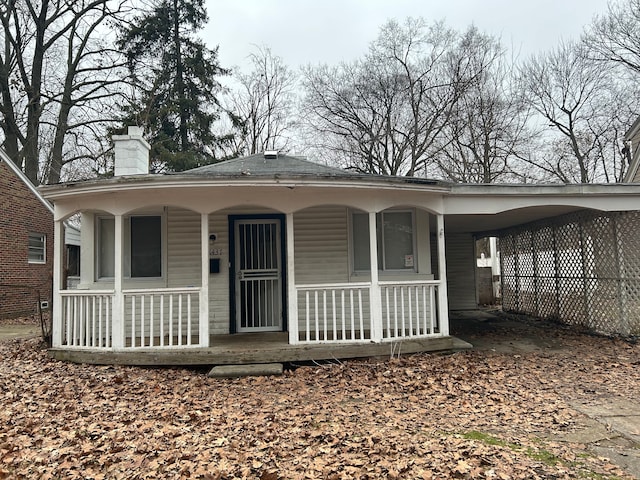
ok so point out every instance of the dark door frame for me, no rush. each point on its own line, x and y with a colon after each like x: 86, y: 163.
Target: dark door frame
x: 232, y: 262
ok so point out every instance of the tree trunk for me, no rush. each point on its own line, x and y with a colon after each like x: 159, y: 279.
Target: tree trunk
x: 31, y: 150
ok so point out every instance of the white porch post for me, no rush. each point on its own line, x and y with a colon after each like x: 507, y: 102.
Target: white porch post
x: 375, y: 298
x: 58, y: 253
x: 443, y: 303
x: 292, y: 294
x: 118, y: 297
x: 204, y: 291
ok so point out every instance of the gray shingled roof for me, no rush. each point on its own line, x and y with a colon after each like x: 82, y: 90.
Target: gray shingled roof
x: 258, y: 165
x: 288, y: 166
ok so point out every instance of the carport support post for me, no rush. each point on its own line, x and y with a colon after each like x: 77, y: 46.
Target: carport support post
x: 375, y: 299
x: 443, y: 303
x: 56, y: 320
x: 203, y: 331
x: 117, y: 333
x: 292, y: 294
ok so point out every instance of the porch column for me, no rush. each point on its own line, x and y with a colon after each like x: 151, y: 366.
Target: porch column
x: 292, y: 293
x: 443, y: 303
x: 57, y: 307
x: 203, y: 332
x: 375, y: 297
x: 117, y: 321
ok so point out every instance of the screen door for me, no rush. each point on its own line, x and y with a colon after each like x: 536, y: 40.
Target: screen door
x: 258, y: 275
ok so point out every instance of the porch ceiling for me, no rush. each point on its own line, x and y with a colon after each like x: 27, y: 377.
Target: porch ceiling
x: 487, y: 223
x: 488, y: 208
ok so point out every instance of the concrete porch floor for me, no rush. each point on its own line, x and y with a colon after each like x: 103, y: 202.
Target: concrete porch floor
x: 252, y: 348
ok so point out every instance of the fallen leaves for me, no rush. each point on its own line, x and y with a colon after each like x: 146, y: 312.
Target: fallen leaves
x: 477, y: 415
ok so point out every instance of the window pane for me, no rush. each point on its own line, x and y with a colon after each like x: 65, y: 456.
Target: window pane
x: 73, y: 260
x: 36, y: 248
x: 360, y: 225
x: 146, y: 247
x: 106, y: 259
x: 398, y: 240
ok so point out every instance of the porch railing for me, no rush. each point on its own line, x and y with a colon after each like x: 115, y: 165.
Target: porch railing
x: 334, y: 313
x: 87, y: 318
x: 166, y: 317
x: 341, y: 312
x: 409, y: 309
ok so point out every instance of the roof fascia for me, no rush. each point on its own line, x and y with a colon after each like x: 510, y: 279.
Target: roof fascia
x: 64, y: 190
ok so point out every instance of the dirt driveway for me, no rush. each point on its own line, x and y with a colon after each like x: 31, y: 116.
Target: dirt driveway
x: 19, y: 331
x: 611, y: 424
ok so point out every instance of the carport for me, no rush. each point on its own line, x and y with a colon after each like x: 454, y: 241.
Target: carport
x: 567, y: 253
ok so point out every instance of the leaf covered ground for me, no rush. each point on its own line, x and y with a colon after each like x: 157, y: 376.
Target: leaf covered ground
x: 477, y: 414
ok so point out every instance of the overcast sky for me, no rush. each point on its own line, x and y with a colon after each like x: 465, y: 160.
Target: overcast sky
x: 330, y: 31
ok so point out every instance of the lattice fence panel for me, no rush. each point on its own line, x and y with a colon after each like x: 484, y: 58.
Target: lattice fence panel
x: 582, y: 268
x: 601, y: 238
x: 632, y: 307
x: 547, y: 298
x: 527, y: 301
x: 571, y: 301
x: 508, y: 270
x: 545, y: 261
x: 605, y: 302
x: 526, y: 271
x: 507, y: 252
x: 628, y: 240
x: 569, y: 250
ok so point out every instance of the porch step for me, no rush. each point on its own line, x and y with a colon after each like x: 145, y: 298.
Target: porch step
x: 250, y: 370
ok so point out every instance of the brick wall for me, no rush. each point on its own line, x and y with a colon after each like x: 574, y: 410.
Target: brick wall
x: 21, y: 213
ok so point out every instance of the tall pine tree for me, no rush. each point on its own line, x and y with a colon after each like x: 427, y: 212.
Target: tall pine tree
x: 174, y: 75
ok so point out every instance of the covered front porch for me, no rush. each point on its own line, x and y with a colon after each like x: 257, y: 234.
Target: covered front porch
x: 277, y: 282
x: 173, y: 318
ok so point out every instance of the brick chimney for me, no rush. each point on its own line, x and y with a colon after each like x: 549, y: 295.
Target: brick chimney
x: 131, y: 153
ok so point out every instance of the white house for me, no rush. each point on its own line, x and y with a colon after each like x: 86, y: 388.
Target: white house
x: 274, y: 258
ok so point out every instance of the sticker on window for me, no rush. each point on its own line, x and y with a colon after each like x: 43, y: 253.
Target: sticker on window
x: 408, y: 261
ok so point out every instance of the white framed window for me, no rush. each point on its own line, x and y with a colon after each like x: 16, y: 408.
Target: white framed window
x: 143, y: 246
x: 37, y: 248
x: 395, y: 230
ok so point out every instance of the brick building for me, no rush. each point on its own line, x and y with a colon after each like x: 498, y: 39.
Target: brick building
x: 26, y: 243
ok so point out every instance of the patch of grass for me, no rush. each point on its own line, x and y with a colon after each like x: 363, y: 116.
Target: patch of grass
x: 544, y: 456
x: 484, y: 438
x: 540, y: 454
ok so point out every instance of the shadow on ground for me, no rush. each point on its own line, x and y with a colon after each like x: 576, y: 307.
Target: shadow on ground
x: 493, y: 330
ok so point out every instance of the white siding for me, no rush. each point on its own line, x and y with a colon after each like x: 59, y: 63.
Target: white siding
x: 321, y: 245
x: 183, y: 248
x: 219, y: 282
x: 461, y: 283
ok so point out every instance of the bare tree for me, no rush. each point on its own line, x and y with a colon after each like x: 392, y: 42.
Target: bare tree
x: 615, y: 36
x: 385, y: 113
x: 487, y: 134
x: 262, y: 105
x: 574, y: 96
x: 57, y: 75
